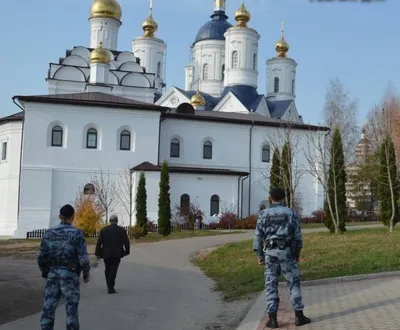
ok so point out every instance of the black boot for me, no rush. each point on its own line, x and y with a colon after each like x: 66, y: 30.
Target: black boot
x: 272, y: 322
x: 301, y: 319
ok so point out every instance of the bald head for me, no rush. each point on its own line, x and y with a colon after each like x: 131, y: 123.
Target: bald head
x: 113, y: 219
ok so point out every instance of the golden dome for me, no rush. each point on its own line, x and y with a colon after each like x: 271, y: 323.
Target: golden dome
x: 282, y: 47
x: 106, y: 9
x: 100, y: 55
x: 197, y: 100
x: 242, y: 16
x: 149, y: 26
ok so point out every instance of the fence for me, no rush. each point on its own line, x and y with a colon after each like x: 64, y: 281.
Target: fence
x: 151, y: 228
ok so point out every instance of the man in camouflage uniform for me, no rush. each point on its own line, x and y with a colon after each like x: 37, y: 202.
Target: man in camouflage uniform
x: 277, y: 244
x: 62, y: 256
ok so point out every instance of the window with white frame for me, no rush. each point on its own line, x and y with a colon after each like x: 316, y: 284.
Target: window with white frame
x: 91, y: 138
x: 207, y: 150
x: 276, y: 85
x: 205, y: 71
x: 125, y: 140
x: 265, y: 154
x: 235, y: 59
x: 56, y: 136
x: 174, y: 148
x: 4, y: 151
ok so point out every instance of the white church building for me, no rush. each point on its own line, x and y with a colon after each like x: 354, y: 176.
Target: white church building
x: 108, y: 109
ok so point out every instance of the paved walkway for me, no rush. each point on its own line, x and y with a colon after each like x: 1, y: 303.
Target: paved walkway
x: 158, y: 289
x: 368, y: 304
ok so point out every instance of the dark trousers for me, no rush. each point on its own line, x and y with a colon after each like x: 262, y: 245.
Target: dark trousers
x: 111, y: 271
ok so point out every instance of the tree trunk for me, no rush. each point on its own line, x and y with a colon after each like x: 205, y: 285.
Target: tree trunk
x: 332, y: 215
x: 391, y: 194
x: 336, y: 220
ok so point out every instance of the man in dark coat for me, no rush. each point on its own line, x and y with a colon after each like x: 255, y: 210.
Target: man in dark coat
x: 112, y: 245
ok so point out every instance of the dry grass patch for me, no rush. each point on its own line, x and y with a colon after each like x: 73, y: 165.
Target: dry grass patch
x: 27, y: 249
x: 236, y: 272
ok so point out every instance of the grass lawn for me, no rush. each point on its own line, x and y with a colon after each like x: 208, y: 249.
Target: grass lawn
x: 27, y: 249
x: 236, y: 272
x: 155, y: 237
x: 348, y: 224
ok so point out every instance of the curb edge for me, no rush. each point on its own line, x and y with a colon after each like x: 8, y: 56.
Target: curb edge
x: 350, y: 278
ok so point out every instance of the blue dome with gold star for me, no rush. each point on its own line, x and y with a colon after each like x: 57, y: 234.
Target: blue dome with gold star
x: 214, y: 29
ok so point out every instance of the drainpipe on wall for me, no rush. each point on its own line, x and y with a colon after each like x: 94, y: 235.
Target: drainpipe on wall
x: 250, y: 147
x: 238, y: 198
x: 20, y: 156
x: 241, y: 197
x: 162, y: 118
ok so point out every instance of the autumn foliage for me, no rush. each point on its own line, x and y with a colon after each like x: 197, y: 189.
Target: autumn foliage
x: 88, y: 215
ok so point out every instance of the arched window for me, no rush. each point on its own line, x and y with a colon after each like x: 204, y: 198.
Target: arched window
x: 125, y: 140
x: 254, y: 61
x: 265, y: 155
x: 276, y: 85
x: 185, y: 204
x: 175, y: 148
x: 214, y: 205
x: 56, y: 136
x: 159, y: 69
x: 223, y: 72
x: 292, y: 86
x: 205, y: 72
x: 235, y: 59
x: 91, y: 139
x: 207, y: 150
x: 89, y: 189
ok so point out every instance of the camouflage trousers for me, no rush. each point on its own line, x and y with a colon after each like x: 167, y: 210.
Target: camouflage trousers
x: 61, y: 282
x: 274, y: 266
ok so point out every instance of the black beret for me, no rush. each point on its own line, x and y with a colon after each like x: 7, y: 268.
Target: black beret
x: 67, y: 211
x: 277, y: 194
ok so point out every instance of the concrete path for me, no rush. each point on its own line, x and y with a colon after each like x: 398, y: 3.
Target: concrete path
x: 158, y: 288
x: 369, y: 304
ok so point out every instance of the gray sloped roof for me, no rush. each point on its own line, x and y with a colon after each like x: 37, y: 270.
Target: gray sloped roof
x: 278, y: 108
x: 211, y: 101
x: 91, y: 99
x: 247, y: 95
x: 14, y: 117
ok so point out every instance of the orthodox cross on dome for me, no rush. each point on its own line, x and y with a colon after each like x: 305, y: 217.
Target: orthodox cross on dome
x: 282, y: 29
x: 198, y: 82
x: 151, y: 5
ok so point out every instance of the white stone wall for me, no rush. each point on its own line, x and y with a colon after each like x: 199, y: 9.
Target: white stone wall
x: 52, y: 176
x: 199, y: 187
x: 57, y: 174
x: 244, y: 41
x: 104, y: 30
x: 231, y: 148
x: 151, y: 52
x: 285, y: 70
x: 212, y: 54
x: 124, y: 77
x: 9, y: 176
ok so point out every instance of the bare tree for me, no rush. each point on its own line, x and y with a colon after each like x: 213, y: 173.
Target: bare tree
x: 341, y: 111
x: 187, y: 214
x: 388, y: 185
x: 383, y: 119
x: 319, y: 160
x: 106, y: 191
x: 125, y: 192
x: 287, y: 140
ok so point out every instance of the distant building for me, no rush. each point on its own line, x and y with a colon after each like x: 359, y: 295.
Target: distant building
x: 358, y: 192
